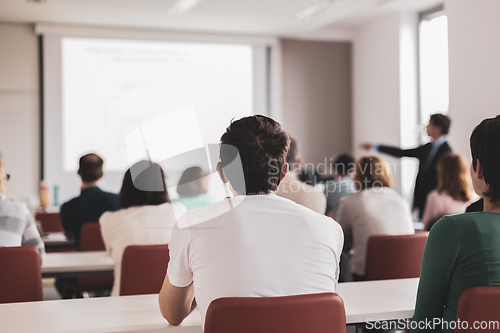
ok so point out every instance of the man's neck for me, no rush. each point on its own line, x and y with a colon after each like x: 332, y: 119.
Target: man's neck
x: 89, y: 185
x: 491, y: 206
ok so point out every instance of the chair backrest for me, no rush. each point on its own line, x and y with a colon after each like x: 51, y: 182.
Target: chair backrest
x: 480, y: 306
x: 395, y: 256
x: 91, y: 237
x: 318, y: 313
x: 20, y: 274
x: 143, y: 269
x: 50, y: 221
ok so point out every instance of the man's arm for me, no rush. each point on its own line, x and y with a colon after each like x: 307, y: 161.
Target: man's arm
x: 398, y: 152
x: 176, y: 303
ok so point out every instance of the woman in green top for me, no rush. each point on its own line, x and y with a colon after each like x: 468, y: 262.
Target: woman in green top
x: 463, y: 250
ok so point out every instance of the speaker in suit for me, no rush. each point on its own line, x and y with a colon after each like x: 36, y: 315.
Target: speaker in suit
x: 427, y: 172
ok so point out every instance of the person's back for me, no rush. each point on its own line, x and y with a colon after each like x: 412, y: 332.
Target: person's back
x: 92, y: 202
x: 463, y: 251
x: 376, y: 209
x: 264, y: 246
x: 256, y: 243
x: 147, y: 216
x: 17, y: 225
x: 341, y: 186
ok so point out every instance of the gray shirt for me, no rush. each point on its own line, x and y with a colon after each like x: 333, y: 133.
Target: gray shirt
x: 335, y: 190
x: 17, y: 226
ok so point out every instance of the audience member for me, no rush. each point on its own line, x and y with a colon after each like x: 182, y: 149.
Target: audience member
x: 463, y: 250
x: 193, y: 189
x: 428, y: 156
x: 17, y: 225
x: 92, y: 202
x: 146, y: 217
x: 452, y: 195
x: 255, y: 243
x: 341, y: 186
x: 294, y: 189
x: 376, y: 209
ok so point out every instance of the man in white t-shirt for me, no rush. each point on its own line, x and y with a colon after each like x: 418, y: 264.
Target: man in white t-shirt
x: 298, y: 191
x: 255, y: 244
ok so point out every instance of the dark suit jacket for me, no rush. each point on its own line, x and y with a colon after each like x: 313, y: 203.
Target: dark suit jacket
x: 88, y: 207
x: 427, y: 176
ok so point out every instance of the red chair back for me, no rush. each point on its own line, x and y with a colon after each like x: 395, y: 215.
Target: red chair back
x: 91, y: 240
x: 20, y: 274
x: 143, y: 269
x: 479, y: 305
x: 318, y: 313
x: 395, y: 256
x: 50, y: 221
x: 91, y: 237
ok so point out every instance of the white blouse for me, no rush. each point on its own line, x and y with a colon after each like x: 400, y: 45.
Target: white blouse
x: 140, y: 225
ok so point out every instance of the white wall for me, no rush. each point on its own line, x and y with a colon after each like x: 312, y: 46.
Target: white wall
x: 474, y: 49
x: 385, y: 90
x: 19, y: 110
x: 376, y: 95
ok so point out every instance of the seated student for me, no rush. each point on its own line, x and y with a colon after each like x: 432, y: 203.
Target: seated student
x: 341, y: 186
x: 463, y: 251
x: 92, y: 202
x: 17, y: 225
x: 452, y: 195
x: 193, y: 189
x: 146, y: 217
x: 255, y: 243
x: 375, y: 210
x: 294, y: 189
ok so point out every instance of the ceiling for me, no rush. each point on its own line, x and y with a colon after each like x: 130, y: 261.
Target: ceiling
x: 248, y: 17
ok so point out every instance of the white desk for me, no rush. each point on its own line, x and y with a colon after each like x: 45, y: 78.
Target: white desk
x: 57, y: 239
x: 64, y: 264
x: 375, y: 300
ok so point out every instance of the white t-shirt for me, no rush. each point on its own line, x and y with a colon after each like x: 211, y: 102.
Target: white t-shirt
x: 140, y: 225
x: 375, y: 211
x: 256, y: 245
x: 303, y: 194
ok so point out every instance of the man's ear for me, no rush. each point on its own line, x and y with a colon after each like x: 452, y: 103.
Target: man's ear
x: 78, y: 172
x: 221, y: 173
x: 479, y: 170
x: 285, y: 171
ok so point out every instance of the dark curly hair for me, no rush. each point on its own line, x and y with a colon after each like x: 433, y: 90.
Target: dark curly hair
x: 485, y: 147
x: 263, y: 148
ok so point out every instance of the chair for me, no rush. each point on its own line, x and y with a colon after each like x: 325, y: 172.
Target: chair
x: 395, y: 256
x: 50, y: 221
x: 479, y: 305
x: 318, y: 313
x: 20, y: 274
x: 91, y: 240
x: 143, y: 269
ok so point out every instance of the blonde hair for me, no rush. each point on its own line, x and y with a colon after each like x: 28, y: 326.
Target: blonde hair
x: 371, y: 171
x: 452, y: 174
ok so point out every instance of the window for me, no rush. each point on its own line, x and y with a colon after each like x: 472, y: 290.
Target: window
x: 433, y: 65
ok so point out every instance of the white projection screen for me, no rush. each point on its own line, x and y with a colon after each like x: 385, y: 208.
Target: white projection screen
x: 180, y: 97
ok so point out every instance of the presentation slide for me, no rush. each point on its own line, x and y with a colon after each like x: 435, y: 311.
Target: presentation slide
x: 190, y: 92
x: 127, y: 100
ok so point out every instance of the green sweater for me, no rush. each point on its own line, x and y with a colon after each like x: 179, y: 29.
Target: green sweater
x: 462, y: 251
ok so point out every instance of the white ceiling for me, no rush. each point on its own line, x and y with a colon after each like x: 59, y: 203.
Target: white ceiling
x: 250, y: 17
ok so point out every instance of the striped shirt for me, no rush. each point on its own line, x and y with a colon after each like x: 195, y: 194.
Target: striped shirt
x: 17, y: 226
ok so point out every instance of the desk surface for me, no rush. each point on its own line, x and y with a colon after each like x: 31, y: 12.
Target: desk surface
x: 374, y: 300
x: 59, y: 264
x: 57, y: 239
